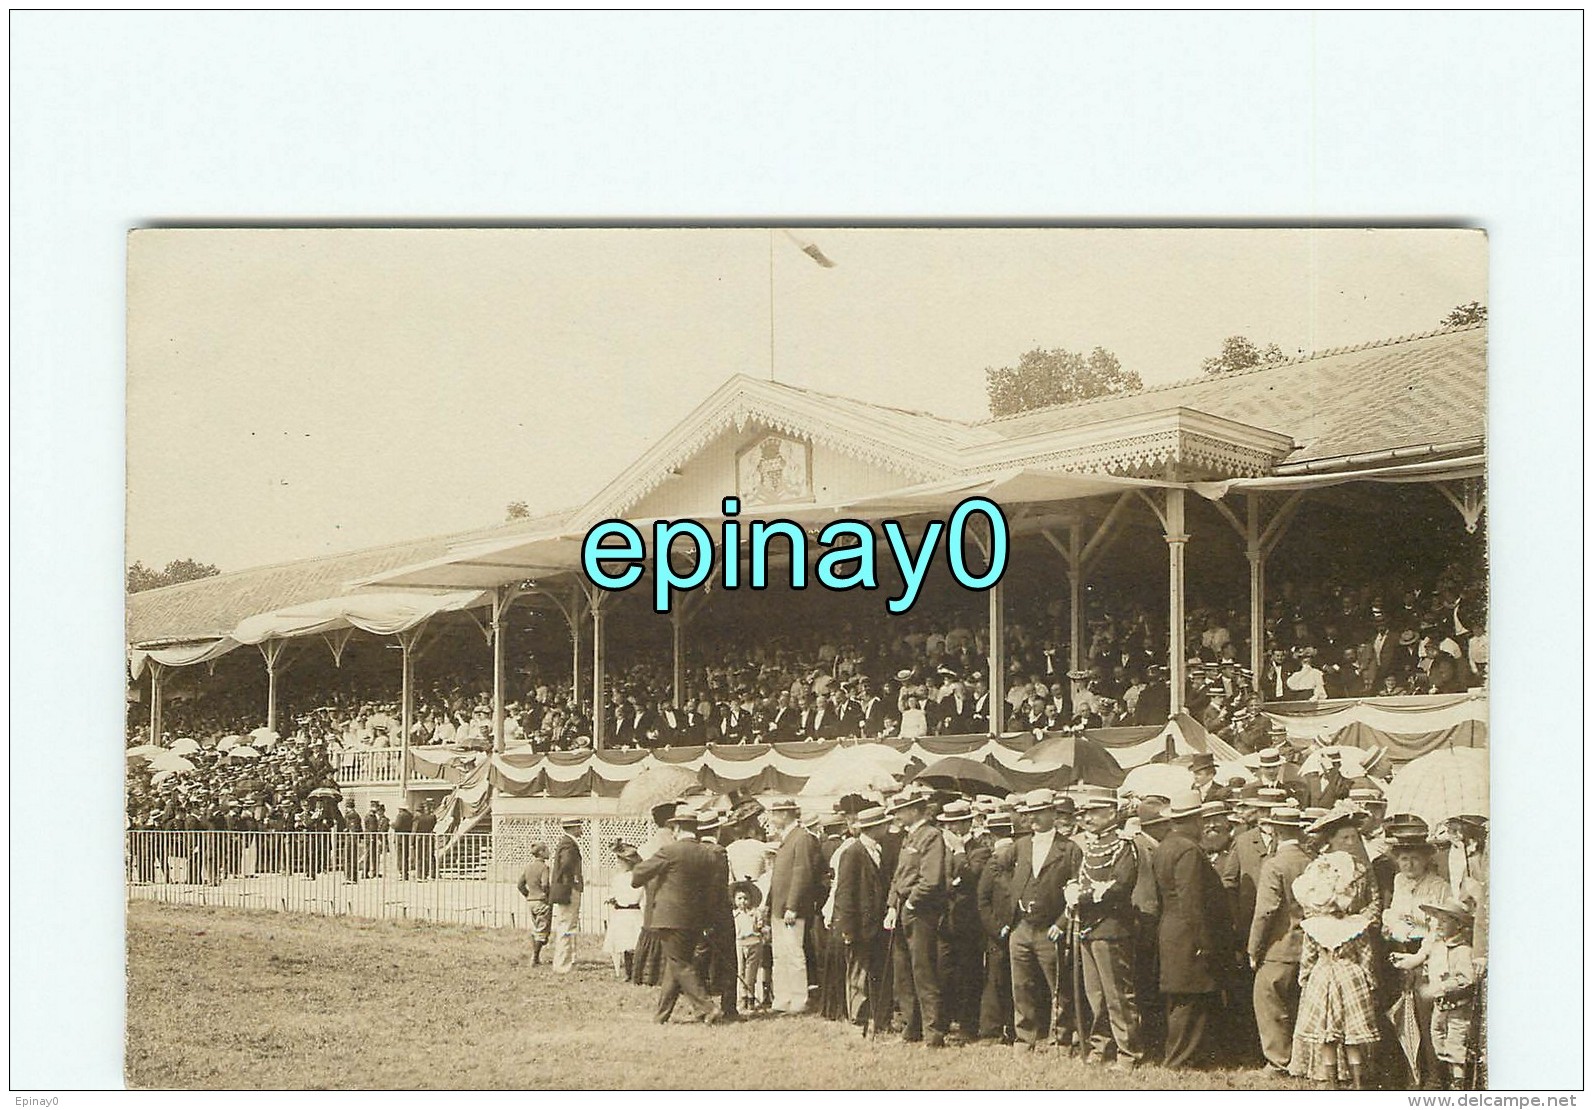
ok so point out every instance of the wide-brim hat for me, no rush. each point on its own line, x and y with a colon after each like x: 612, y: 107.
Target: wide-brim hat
x: 750, y: 889
x: 1406, y: 826
x: 1286, y: 816
x: 570, y: 822
x: 1078, y: 676
x: 1471, y: 821
x: 907, y: 799
x: 1332, y: 819
x: 1407, y: 637
x: 1270, y: 757
x: 744, y: 811
x: 784, y: 805
x: 663, y: 811
x: 1213, y: 808
x: 1449, y: 906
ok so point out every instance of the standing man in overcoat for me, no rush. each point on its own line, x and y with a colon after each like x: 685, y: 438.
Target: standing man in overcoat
x: 684, y: 880
x: 917, y: 902
x: 1044, y: 863
x: 1275, y: 940
x: 860, y: 914
x: 1195, y: 937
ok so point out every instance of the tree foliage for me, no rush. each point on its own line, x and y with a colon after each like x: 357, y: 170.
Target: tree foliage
x: 1056, y: 377
x: 517, y: 510
x: 1240, y: 353
x: 140, y: 577
x: 1474, y: 312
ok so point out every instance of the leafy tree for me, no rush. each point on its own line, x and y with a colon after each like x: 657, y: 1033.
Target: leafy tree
x: 1056, y: 377
x: 1239, y: 353
x: 518, y: 510
x: 1473, y: 313
x: 140, y: 577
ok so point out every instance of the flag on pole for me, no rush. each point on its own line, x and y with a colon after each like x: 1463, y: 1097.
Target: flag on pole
x: 811, y: 249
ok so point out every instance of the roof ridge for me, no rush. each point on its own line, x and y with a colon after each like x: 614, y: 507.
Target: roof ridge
x: 876, y: 404
x: 1297, y: 360
x: 373, y: 549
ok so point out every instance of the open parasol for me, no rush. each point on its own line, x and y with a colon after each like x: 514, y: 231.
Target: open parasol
x: 170, y: 761
x: 184, y: 745
x: 662, y: 782
x: 226, y: 743
x: 243, y: 751
x: 1164, y: 780
x: 1441, y: 784
x: 326, y: 792
x: 966, y: 776
x: 858, y: 769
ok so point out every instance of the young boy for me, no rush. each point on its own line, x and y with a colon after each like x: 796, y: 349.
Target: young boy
x: 1449, y: 979
x: 749, y: 943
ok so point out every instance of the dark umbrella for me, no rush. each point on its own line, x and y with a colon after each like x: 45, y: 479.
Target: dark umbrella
x: 326, y: 792
x: 1075, y: 758
x: 966, y: 776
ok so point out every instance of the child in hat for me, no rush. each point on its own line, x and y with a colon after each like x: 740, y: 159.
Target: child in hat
x: 1337, y: 1026
x: 750, y: 941
x: 1449, y: 980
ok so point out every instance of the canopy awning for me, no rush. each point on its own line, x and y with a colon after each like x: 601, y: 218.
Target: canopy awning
x: 381, y: 614
x: 1440, y: 470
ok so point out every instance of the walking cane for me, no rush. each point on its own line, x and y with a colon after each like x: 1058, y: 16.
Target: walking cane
x: 1078, y: 980
x: 1476, y: 1064
x: 876, y: 987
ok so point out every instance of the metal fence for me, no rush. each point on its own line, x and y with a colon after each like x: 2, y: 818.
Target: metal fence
x: 405, y: 876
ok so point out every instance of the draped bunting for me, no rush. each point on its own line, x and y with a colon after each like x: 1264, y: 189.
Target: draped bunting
x: 749, y: 768
x: 1407, y: 726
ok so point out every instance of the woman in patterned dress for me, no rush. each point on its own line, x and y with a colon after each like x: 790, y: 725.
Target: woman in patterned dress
x: 1336, y: 1031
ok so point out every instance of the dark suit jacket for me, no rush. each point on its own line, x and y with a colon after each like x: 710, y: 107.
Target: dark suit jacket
x: 859, y: 895
x: 1194, y: 937
x: 1249, y: 851
x: 995, y: 898
x: 795, y: 879
x: 686, y: 881
x: 920, y: 876
x: 1275, y: 928
x: 566, y: 884
x: 1038, y: 898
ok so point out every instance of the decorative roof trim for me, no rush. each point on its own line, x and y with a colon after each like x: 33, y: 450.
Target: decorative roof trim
x: 740, y: 402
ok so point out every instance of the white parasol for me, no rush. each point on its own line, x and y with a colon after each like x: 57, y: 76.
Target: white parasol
x: 243, y: 751
x: 856, y: 770
x: 1164, y: 780
x: 1441, y: 784
x: 184, y: 745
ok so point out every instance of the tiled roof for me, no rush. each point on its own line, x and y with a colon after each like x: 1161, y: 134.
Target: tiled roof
x: 209, y: 607
x: 1405, y: 392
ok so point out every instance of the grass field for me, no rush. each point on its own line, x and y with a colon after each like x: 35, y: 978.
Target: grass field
x: 258, y: 999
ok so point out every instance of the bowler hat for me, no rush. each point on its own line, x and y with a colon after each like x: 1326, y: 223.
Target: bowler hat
x: 1203, y: 761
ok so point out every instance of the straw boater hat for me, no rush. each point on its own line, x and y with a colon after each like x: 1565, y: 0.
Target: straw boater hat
x: 909, y: 797
x: 570, y: 823
x: 1213, y: 808
x: 872, y: 818
x: 1185, y: 803
x: 1287, y: 816
x: 954, y: 813
x: 1270, y: 758
x: 1036, y: 801
x: 1406, y: 830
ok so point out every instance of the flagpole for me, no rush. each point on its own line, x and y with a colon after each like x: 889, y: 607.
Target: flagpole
x: 771, y: 304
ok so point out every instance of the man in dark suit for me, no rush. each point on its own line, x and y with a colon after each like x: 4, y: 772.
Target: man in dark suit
x: 564, y: 891
x: 1203, y: 765
x: 917, y: 903
x: 870, y: 710
x: 403, y: 827
x: 683, y: 880
x: 860, y: 915
x: 1275, y: 939
x: 995, y: 898
x: 793, y: 903
x: 1386, y: 652
x: 784, y: 721
x: 719, y: 925
x: 425, y: 850
x: 1044, y: 863
x: 1194, y: 937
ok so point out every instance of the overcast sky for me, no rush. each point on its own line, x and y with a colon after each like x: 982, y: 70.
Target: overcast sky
x: 293, y: 393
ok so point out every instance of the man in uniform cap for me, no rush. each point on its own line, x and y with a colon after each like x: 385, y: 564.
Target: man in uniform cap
x: 1194, y: 939
x: 1102, y: 899
x: 917, y: 903
x: 1043, y: 864
x: 793, y: 902
x: 1274, y: 940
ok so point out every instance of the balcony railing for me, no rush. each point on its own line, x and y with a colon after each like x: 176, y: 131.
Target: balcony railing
x: 378, y: 767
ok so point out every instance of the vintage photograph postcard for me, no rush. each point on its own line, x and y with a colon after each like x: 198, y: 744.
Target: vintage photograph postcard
x: 905, y: 657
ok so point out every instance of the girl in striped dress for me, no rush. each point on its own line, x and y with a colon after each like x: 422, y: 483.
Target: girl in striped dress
x: 1337, y: 1026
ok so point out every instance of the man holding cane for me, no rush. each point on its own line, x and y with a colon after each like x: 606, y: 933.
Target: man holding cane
x: 1104, y: 927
